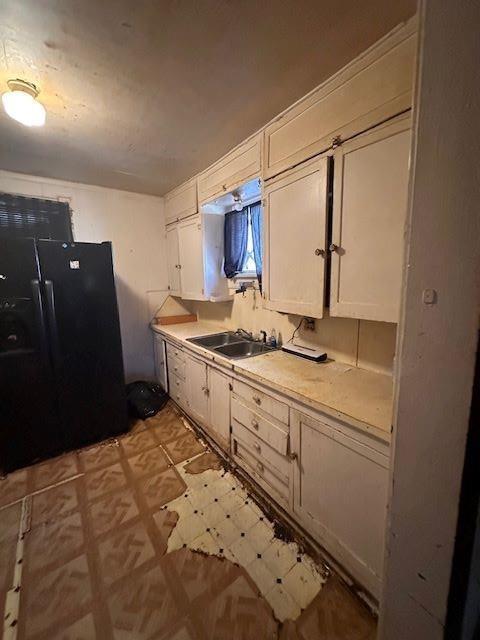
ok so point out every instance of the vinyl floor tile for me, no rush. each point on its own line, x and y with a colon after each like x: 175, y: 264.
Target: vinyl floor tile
x: 140, y: 547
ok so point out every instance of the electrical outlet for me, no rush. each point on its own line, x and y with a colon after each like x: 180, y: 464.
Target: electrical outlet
x: 309, y: 324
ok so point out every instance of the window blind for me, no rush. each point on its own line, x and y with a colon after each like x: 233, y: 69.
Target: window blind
x: 24, y: 217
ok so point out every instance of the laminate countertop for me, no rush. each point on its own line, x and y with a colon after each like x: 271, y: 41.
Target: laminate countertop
x: 361, y: 398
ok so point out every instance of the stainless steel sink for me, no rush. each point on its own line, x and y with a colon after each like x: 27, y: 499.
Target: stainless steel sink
x: 231, y: 345
x: 217, y: 339
x: 245, y: 349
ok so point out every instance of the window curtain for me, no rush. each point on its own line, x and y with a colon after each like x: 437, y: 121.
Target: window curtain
x: 235, y: 236
x: 257, y: 236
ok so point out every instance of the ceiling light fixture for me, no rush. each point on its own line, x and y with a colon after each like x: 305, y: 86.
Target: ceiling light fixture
x: 21, y: 103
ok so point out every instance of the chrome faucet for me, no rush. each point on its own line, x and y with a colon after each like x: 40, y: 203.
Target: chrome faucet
x: 245, y: 334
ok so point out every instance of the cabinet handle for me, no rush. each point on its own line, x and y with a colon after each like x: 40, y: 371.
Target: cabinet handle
x: 255, y: 425
x: 333, y: 247
x: 320, y: 252
x: 224, y: 187
x: 257, y: 447
x: 257, y: 399
x: 206, y: 391
x: 293, y: 456
x: 260, y: 467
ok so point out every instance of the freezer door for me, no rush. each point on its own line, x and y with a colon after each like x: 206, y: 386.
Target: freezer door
x: 85, y: 341
x: 29, y: 426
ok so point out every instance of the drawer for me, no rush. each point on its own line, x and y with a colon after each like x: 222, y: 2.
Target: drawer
x: 177, y: 367
x: 246, y: 458
x: 266, y: 403
x: 177, y: 389
x: 175, y: 352
x: 279, y: 464
x: 275, y: 436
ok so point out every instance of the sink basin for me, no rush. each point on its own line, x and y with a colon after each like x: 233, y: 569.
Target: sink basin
x: 244, y: 349
x: 231, y: 345
x: 217, y: 339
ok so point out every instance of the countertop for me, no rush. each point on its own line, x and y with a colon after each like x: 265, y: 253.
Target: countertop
x: 362, y: 398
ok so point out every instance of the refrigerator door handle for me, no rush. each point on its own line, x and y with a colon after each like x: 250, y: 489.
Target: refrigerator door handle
x: 38, y: 302
x: 52, y: 323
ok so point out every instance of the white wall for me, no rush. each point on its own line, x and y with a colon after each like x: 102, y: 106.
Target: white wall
x: 134, y: 223
x: 438, y: 342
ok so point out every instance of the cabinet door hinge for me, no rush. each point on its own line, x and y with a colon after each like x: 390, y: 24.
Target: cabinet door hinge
x: 336, y: 142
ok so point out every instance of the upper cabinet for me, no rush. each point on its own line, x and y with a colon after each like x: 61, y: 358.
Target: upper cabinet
x: 239, y: 166
x: 195, y: 258
x: 375, y: 86
x: 181, y: 202
x: 369, y: 208
x: 295, y: 218
x: 191, y: 259
x: 173, y: 260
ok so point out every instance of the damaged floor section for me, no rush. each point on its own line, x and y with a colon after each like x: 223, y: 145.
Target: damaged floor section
x: 149, y: 537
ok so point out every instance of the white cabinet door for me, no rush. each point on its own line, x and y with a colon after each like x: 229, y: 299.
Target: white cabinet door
x: 239, y: 166
x: 173, y: 261
x: 295, y: 215
x: 191, y: 259
x: 369, y: 209
x: 160, y: 361
x: 340, y: 496
x: 182, y: 201
x: 372, y: 88
x: 196, y: 388
x: 219, y: 386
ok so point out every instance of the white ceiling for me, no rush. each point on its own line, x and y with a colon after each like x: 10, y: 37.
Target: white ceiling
x: 141, y: 94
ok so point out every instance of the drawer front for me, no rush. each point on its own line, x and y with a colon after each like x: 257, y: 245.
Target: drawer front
x: 276, y: 437
x: 278, y: 464
x: 175, y: 352
x: 246, y: 458
x: 177, y: 389
x: 260, y: 400
x: 177, y: 367
x: 238, y: 167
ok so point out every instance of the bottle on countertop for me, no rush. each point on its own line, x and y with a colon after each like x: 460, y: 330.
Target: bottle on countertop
x: 273, y: 338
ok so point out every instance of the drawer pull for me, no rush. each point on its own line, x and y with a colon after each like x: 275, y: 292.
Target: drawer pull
x: 260, y: 467
x: 257, y: 399
x: 255, y: 425
x: 175, y: 368
x: 257, y: 447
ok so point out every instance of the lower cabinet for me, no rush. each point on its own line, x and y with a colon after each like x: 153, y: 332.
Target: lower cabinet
x: 340, y: 496
x: 219, y: 386
x: 196, y: 389
x: 160, y: 361
x: 330, y: 478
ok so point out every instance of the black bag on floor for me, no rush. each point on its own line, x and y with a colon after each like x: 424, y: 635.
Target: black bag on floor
x: 145, y: 399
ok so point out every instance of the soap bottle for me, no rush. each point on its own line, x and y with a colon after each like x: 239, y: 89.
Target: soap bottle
x: 273, y: 338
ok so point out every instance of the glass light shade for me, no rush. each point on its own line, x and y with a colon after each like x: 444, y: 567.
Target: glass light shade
x: 24, y: 108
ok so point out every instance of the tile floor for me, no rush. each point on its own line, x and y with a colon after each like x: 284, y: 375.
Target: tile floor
x: 149, y: 537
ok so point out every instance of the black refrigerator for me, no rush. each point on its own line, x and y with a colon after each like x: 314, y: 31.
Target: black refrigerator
x: 61, y: 370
